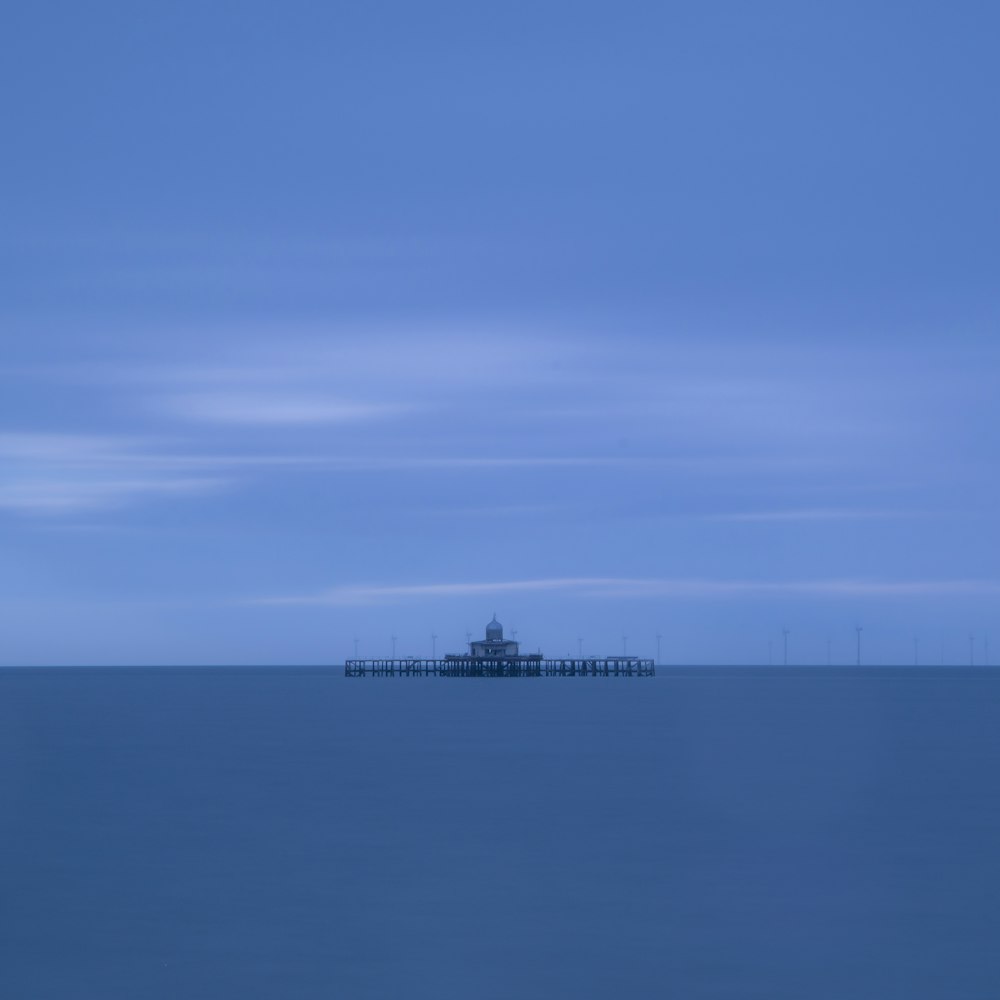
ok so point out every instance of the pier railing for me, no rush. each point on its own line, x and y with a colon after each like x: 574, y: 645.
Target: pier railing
x: 607, y: 666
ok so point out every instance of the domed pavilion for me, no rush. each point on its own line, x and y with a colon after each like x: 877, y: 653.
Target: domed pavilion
x: 494, y: 645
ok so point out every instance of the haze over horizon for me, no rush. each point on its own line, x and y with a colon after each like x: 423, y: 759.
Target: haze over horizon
x: 334, y: 323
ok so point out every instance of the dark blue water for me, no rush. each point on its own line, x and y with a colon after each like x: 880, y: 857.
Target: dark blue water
x: 710, y: 833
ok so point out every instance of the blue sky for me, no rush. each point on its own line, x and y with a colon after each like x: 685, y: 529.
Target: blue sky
x: 331, y: 322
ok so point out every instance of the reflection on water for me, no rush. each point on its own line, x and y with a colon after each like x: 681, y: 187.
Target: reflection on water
x: 800, y: 834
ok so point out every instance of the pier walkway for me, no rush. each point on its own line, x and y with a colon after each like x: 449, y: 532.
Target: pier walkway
x: 608, y: 666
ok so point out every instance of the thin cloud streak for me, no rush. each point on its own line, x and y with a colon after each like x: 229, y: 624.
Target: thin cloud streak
x: 65, y: 496
x: 810, y: 514
x: 52, y: 473
x: 326, y: 376
x: 617, y: 587
x: 263, y: 409
x: 57, y: 474
x: 416, y: 360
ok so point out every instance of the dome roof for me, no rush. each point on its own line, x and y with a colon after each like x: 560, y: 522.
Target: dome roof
x: 494, y: 630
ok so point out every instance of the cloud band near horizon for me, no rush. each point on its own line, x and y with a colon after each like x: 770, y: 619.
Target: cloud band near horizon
x: 618, y: 587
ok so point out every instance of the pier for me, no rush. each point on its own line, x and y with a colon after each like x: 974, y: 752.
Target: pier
x: 522, y: 666
x: 496, y: 656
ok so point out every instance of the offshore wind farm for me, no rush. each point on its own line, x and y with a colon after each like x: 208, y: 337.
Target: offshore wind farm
x: 498, y: 656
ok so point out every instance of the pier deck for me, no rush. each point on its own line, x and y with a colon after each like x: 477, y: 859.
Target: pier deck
x: 608, y: 666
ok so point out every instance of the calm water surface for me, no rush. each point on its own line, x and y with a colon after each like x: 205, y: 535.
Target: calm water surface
x: 710, y: 833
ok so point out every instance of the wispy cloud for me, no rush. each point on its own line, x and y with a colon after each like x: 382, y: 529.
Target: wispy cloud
x: 45, y: 473
x: 419, y: 397
x: 53, y: 495
x: 276, y: 409
x: 336, y: 376
x: 618, y: 587
x: 66, y: 473
x: 515, y: 385
x: 809, y: 514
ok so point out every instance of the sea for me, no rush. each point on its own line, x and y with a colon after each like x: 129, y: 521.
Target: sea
x: 723, y: 833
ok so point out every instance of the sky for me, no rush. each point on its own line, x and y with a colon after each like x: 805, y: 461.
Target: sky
x: 323, y: 324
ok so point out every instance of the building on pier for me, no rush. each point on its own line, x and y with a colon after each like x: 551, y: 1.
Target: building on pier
x: 493, y: 647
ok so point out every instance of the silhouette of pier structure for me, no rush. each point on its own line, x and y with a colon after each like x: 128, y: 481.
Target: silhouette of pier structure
x: 495, y: 656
